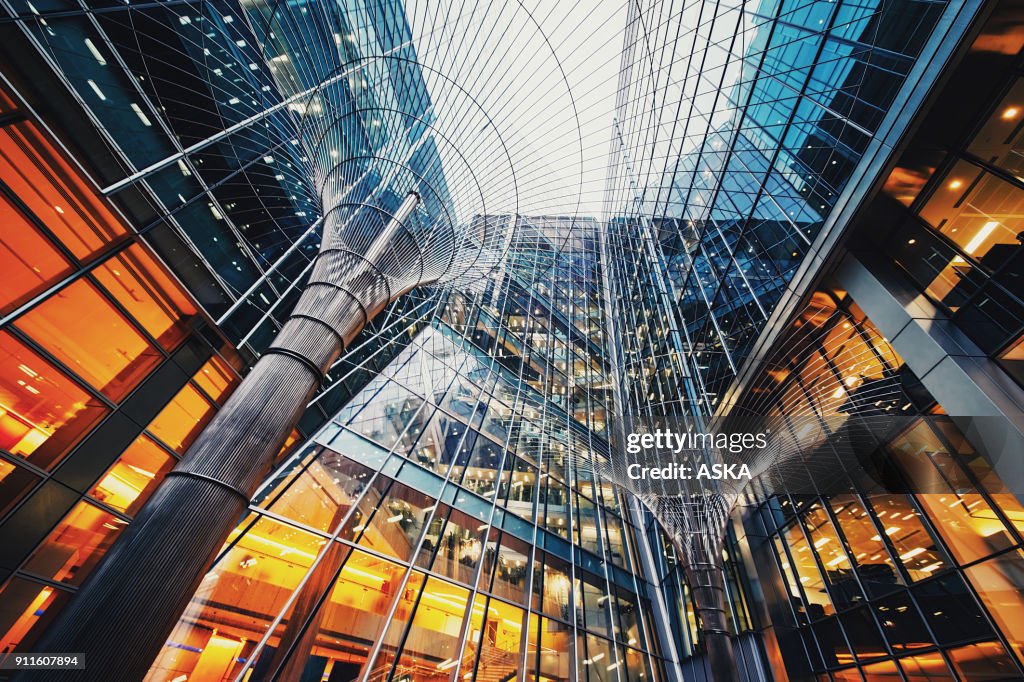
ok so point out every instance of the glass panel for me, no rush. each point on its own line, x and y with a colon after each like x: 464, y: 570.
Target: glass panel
x: 1012, y: 360
x: 236, y: 602
x: 84, y: 331
x: 862, y: 634
x: 322, y: 493
x: 444, y: 605
x: 600, y: 664
x: 925, y: 668
x: 819, y: 603
x: 26, y: 610
x: 510, y: 569
x: 472, y: 648
x: 396, y: 525
x: 828, y: 546
x: 135, y: 475
x: 149, y: 295
x: 28, y: 261
x: 183, y: 419
x: 556, y: 655
x: 76, y: 545
x: 951, y: 610
x: 592, y: 609
x: 917, y: 550
x: 902, y: 624
x: 554, y: 579
x: 978, y: 211
x: 458, y: 548
x: 963, y: 518
x: 42, y: 412
x: 502, y: 634
x: 886, y: 670
x: 989, y: 481
x: 999, y: 583
x: 432, y: 645
x: 1001, y: 139
x: 983, y: 662
x: 216, y: 378
x: 54, y: 191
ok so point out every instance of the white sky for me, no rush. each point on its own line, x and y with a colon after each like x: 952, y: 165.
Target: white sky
x: 531, y: 81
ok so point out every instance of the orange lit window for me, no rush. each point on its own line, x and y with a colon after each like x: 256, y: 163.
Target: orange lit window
x: 76, y: 545
x: 42, y: 412
x: 149, y: 295
x: 134, y: 476
x: 1000, y: 585
x: 248, y: 587
x: 180, y: 422
x: 28, y: 261
x: 216, y: 378
x: 979, y: 211
x: 26, y: 608
x: 983, y: 661
x: 81, y: 328
x: 54, y: 191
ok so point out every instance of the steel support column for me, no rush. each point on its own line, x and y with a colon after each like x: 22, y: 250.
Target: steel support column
x: 126, y: 609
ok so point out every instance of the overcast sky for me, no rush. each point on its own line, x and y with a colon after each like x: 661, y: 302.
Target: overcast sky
x: 536, y: 80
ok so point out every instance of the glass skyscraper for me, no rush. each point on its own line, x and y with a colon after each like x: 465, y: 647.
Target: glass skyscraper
x: 803, y: 212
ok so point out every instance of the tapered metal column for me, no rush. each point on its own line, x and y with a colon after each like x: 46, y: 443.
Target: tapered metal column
x: 707, y: 585
x: 126, y: 609
x: 697, y: 529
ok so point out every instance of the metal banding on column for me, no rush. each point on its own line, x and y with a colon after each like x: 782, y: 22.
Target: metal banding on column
x: 151, y: 572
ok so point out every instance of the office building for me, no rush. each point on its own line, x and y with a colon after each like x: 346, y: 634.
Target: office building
x: 811, y: 216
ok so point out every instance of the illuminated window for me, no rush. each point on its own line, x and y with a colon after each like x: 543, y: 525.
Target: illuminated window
x: 457, y: 549
x: 396, y: 523
x: 970, y: 527
x: 1000, y: 141
x: 183, y: 419
x: 76, y: 545
x: 832, y: 555
x: 554, y: 650
x: 322, y: 493
x: 26, y: 610
x: 983, y: 661
x: 149, y: 295
x: 1000, y: 585
x: 248, y: 587
x: 913, y: 543
x: 819, y: 603
x: 134, y: 476
x: 366, y: 589
x: 925, y: 668
x: 42, y: 412
x: 508, y: 560
x: 82, y: 329
x: 981, y: 213
x: 436, y: 627
x: 28, y: 261
x: 554, y: 580
x: 55, y: 192
x: 216, y: 378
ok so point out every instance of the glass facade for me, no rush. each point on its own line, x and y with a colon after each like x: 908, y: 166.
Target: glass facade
x: 446, y: 511
x: 812, y: 212
x: 108, y: 371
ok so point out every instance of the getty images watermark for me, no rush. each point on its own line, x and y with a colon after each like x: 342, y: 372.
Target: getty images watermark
x: 681, y: 455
